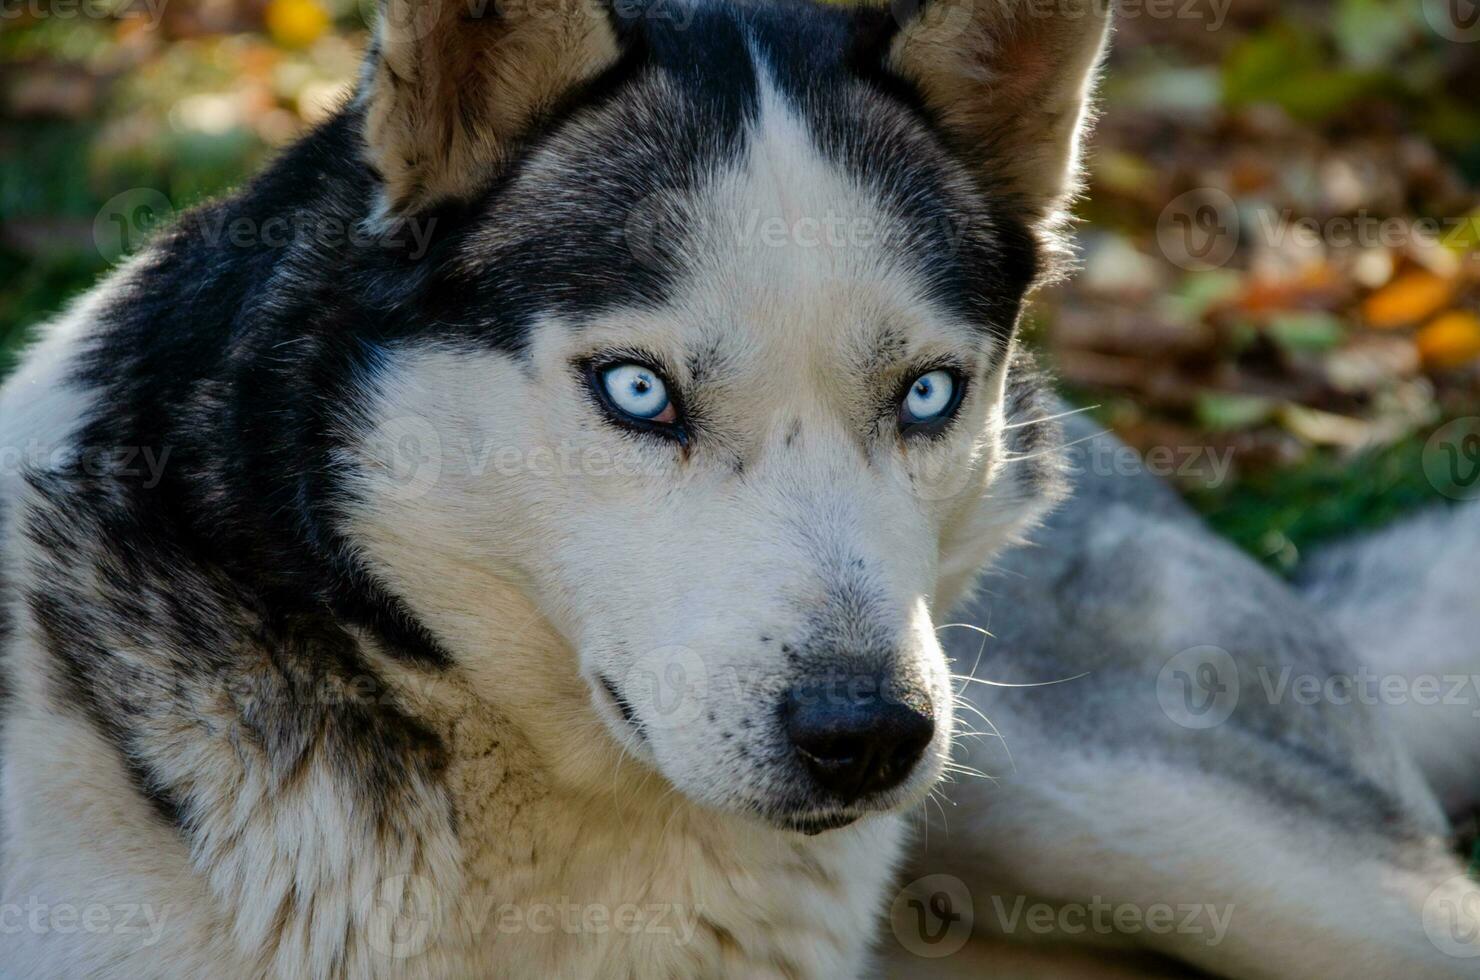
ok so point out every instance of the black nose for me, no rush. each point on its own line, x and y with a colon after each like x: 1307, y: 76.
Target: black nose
x: 855, y: 742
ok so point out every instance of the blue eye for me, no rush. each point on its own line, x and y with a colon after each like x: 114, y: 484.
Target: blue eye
x: 930, y: 399
x: 637, y: 391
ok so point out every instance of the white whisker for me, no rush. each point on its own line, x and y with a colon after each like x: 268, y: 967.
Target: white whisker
x: 1050, y: 418
x: 1009, y: 458
x: 979, y: 680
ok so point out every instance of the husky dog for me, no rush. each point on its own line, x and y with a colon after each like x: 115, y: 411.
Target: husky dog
x: 557, y: 597
x: 1222, y: 775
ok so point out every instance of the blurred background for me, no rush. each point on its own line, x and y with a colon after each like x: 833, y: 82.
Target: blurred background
x: 1280, y: 294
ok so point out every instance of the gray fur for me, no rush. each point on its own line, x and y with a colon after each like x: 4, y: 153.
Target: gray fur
x: 1125, y: 576
x: 1309, y: 824
x: 1407, y: 598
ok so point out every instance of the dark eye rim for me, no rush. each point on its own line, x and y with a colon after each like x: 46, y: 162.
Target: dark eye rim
x: 913, y: 428
x: 591, y: 370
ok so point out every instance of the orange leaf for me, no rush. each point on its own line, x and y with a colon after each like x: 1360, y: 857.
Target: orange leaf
x: 1450, y: 340
x: 1408, y: 299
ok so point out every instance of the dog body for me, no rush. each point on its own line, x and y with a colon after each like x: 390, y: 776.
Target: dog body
x: 361, y: 620
x: 355, y: 620
x: 1192, y: 739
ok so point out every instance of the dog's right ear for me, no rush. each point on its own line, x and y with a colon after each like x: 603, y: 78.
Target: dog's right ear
x: 1009, y: 81
x: 451, y: 85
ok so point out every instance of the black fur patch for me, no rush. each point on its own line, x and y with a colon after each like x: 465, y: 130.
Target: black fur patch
x: 155, y: 649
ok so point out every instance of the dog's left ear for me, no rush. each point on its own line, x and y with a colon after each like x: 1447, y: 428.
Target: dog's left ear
x: 1010, y: 82
x: 450, y: 86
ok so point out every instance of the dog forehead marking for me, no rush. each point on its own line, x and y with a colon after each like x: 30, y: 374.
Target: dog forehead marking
x: 791, y: 262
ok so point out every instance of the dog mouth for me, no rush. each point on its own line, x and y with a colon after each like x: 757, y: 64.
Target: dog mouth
x: 623, y: 707
x: 814, y: 824
x: 810, y: 817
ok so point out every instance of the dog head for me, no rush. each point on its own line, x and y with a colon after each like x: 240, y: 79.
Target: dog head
x: 712, y: 370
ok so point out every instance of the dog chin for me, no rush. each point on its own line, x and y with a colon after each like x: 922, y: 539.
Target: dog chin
x: 813, y: 824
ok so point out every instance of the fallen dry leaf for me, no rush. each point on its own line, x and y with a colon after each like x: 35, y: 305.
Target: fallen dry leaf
x: 1450, y: 340
x: 1414, y: 296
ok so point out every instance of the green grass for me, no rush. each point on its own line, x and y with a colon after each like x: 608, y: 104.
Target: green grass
x: 35, y: 290
x: 51, y: 193
x: 46, y: 187
x: 1279, y: 515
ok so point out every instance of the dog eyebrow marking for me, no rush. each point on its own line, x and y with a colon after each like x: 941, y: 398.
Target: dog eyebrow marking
x: 793, y: 432
x: 711, y: 359
x: 890, y: 345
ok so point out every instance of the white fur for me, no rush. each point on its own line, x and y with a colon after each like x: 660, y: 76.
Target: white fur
x: 41, y: 406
